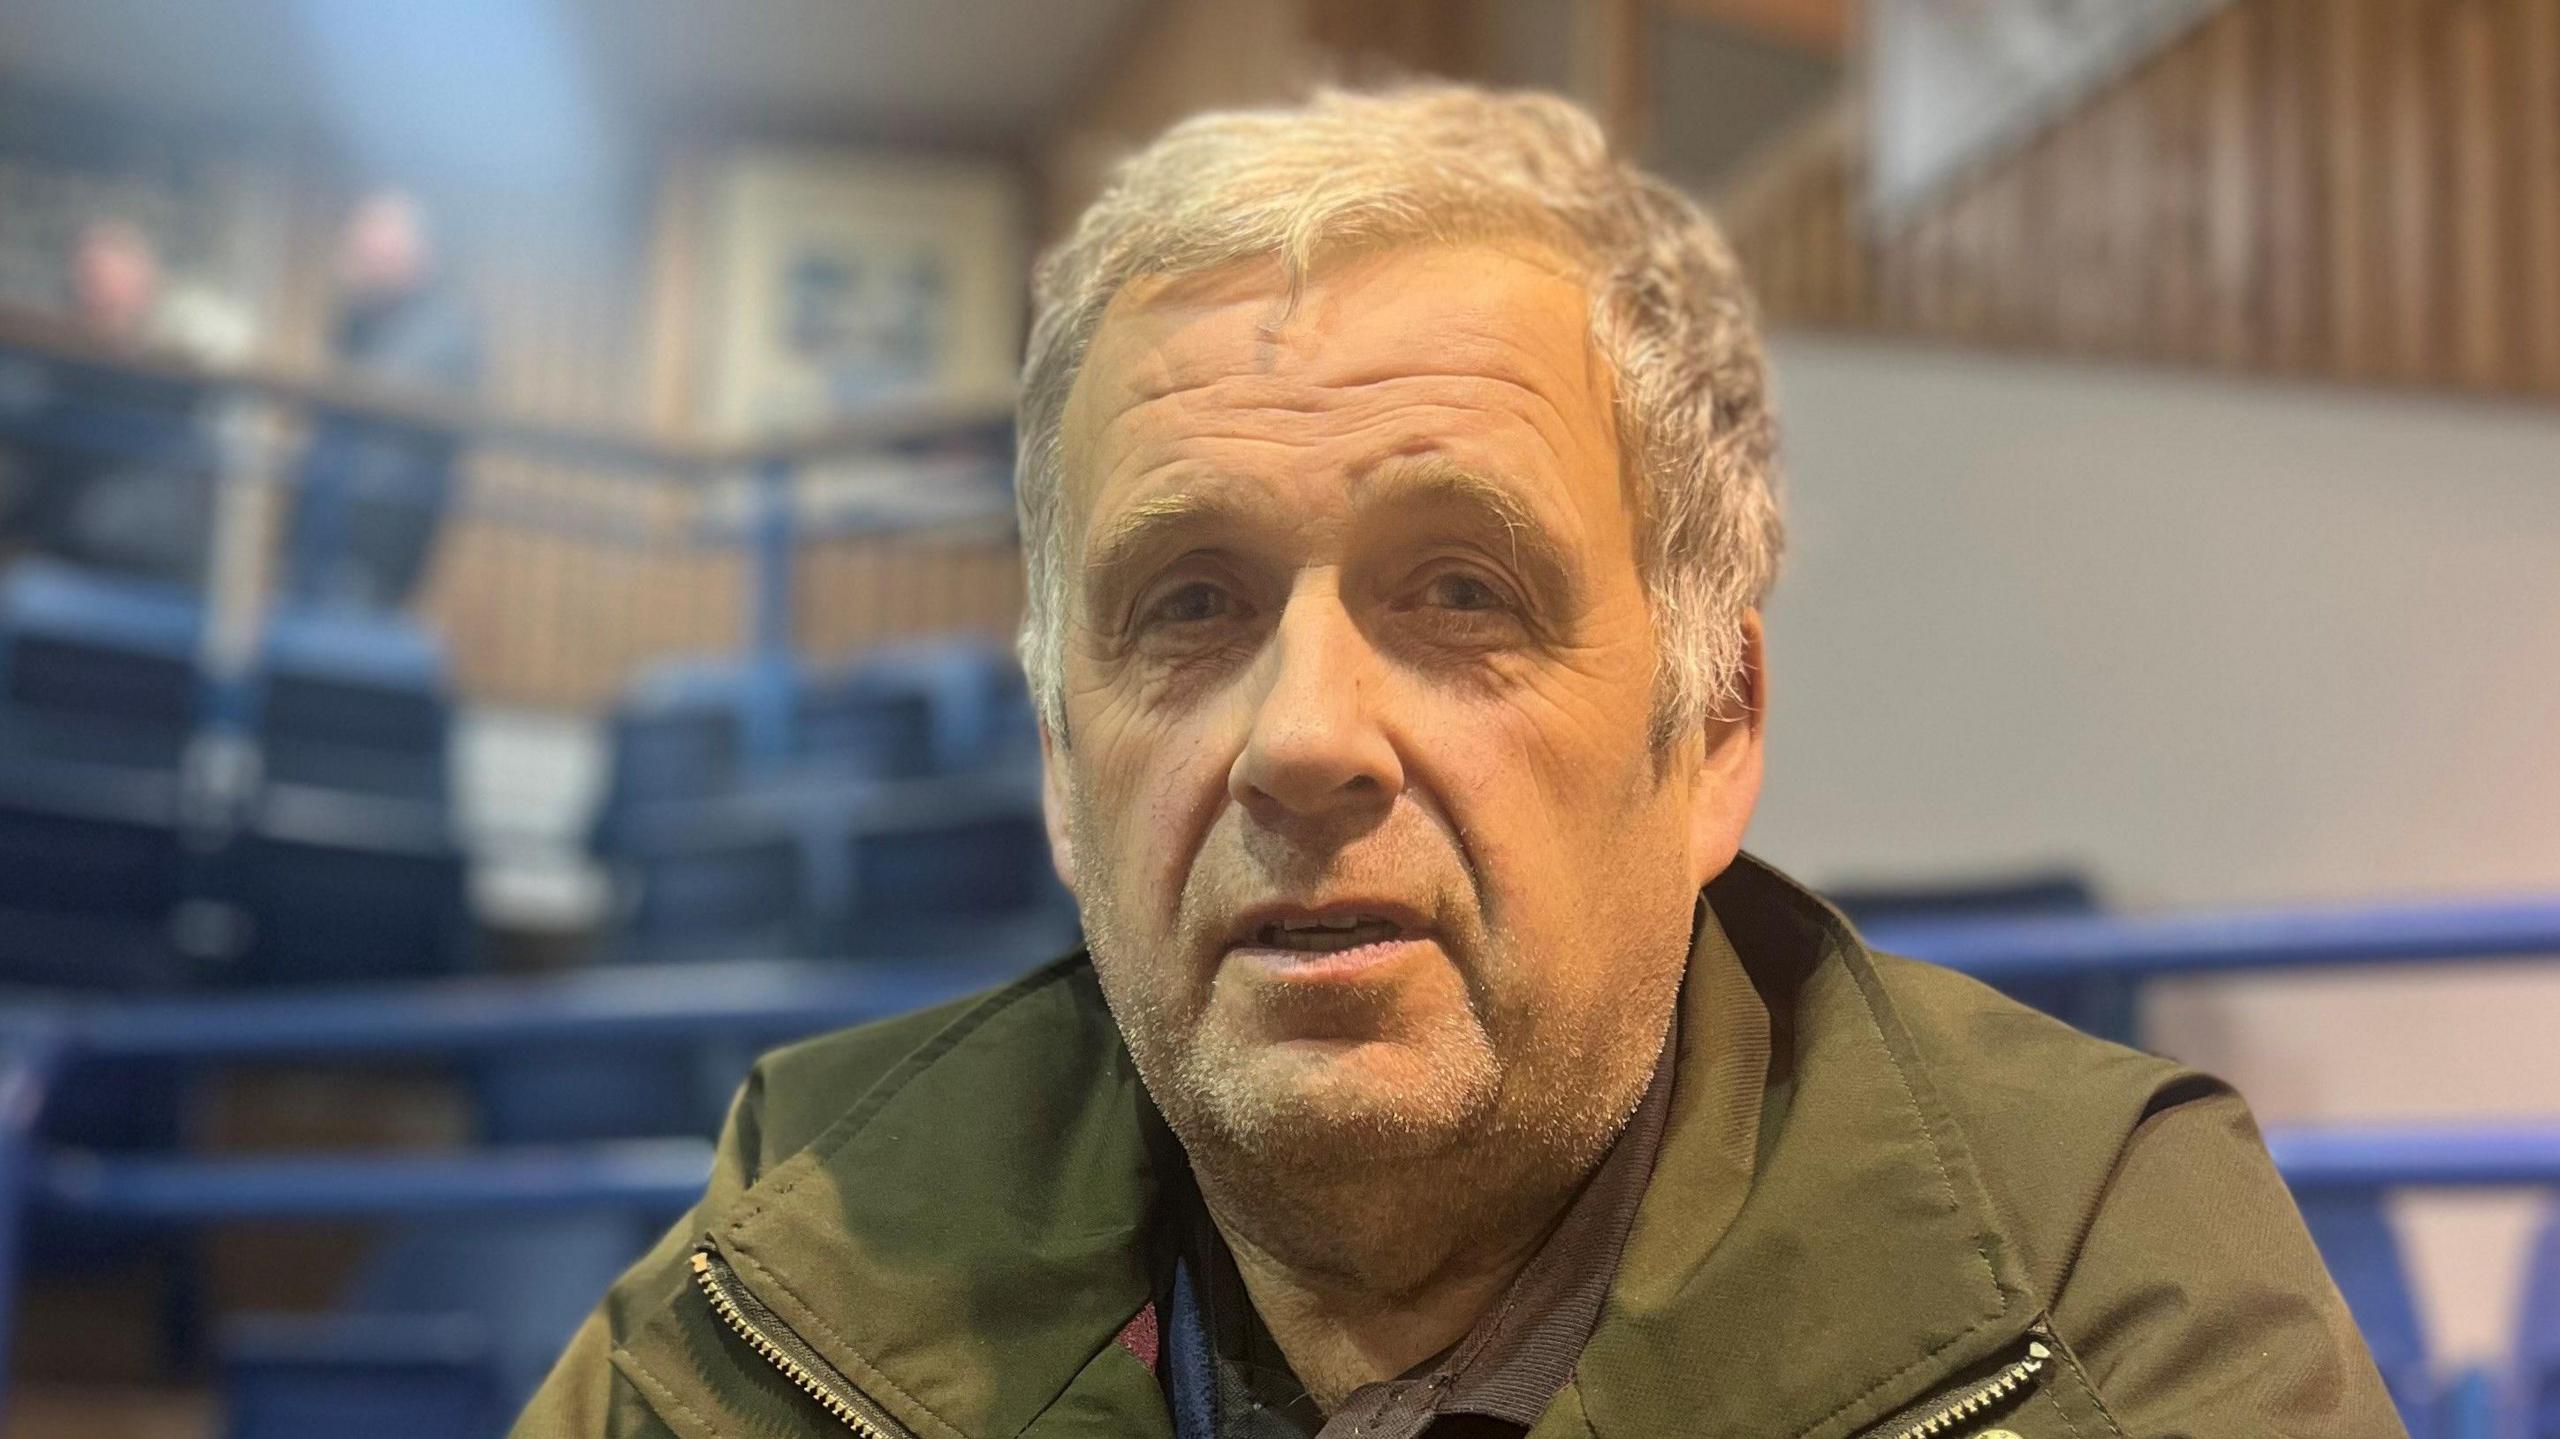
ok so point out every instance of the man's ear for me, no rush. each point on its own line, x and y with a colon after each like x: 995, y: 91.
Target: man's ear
x: 1053, y: 806
x: 1727, y: 782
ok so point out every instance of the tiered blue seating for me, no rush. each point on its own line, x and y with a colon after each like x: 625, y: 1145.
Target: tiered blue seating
x: 971, y: 875
x: 97, y: 703
x: 354, y: 703
x: 96, y: 670
x: 887, y: 810
x: 676, y: 737
x: 894, y: 810
x: 349, y: 867
x: 117, y: 867
x: 917, y: 709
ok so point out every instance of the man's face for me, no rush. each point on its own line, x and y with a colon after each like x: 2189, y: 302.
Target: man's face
x: 115, y: 280
x: 383, y: 250
x: 1355, y: 790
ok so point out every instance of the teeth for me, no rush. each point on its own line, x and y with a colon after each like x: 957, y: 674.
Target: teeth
x: 1349, y: 921
x: 1333, y: 932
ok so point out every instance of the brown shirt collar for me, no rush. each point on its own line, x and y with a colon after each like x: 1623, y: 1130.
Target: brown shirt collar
x: 1522, y: 1350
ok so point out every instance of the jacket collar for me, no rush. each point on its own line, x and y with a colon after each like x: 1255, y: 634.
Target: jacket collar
x: 968, y: 1239
x: 966, y: 1242
x: 1863, y: 1263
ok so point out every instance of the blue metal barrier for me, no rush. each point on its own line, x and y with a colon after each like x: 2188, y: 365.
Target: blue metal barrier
x: 750, y: 998
x: 2409, y: 1156
x: 2159, y: 946
x: 661, y: 1176
x: 758, y: 1002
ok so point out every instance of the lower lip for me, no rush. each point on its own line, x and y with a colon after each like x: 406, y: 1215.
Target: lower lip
x: 1307, y: 966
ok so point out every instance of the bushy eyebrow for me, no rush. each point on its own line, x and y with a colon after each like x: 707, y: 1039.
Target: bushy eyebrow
x: 1146, y: 525
x: 1436, y: 481
x: 1116, y: 554
x: 1118, y: 549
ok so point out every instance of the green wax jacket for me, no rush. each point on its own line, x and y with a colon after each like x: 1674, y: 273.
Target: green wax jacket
x: 1948, y: 1215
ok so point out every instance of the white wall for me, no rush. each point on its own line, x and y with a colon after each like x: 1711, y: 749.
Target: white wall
x: 2216, y: 642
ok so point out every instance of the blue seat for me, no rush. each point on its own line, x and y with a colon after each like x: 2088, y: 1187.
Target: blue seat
x: 2357, y: 1242
x: 976, y: 711
x: 726, y: 895
x: 96, y: 670
x: 865, y: 726
x: 87, y: 901
x: 722, y: 853
x: 355, y: 702
x: 2538, y: 1336
x: 348, y: 906
x: 677, y: 736
x: 954, y: 868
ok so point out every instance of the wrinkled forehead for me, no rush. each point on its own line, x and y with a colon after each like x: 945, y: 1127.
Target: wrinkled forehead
x: 1506, y: 321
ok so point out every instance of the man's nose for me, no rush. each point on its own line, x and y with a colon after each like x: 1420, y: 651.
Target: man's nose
x: 1316, y: 749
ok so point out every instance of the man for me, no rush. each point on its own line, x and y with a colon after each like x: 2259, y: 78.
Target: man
x: 1396, y: 498
x: 374, y: 495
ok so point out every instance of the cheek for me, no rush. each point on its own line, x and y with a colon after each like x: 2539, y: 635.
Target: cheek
x: 1147, y: 785
x: 1551, y: 789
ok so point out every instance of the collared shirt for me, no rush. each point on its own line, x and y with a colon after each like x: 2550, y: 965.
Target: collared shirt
x: 1493, y: 1384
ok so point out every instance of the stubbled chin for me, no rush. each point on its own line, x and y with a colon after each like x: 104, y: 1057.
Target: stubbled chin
x: 1342, y: 1099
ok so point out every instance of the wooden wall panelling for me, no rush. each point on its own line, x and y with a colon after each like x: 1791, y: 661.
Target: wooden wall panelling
x: 2408, y: 171
x: 2228, y: 40
x: 2288, y: 262
x: 2481, y: 208
x: 2535, y: 27
x: 2364, y: 189
x: 2352, y: 213
x: 2120, y: 138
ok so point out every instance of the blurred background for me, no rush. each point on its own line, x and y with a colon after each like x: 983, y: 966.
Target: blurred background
x: 506, y: 565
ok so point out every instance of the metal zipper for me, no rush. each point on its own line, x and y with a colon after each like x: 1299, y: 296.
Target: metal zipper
x: 789, y: 1354
x: 1940, y: 1416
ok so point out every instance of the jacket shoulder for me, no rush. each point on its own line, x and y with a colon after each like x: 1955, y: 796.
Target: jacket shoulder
x: 2045, y: 1111
x: 799, y: 1091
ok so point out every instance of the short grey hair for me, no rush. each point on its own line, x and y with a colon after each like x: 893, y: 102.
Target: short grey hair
x: 1447, y: 163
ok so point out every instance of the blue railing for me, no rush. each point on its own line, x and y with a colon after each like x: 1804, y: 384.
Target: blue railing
x: 744, y: 1003
x: 2141, y: 947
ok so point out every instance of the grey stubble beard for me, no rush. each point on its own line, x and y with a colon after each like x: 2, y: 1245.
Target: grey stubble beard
x: 1384, y: 1194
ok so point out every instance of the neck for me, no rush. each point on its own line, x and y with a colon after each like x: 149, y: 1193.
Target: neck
x: 1361, y: 1277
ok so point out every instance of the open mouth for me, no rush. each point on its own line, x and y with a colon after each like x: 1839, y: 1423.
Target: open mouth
x: 1318, y: 940
x: 1329, y: 934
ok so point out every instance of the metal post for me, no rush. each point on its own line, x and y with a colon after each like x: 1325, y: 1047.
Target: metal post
x: 251, y: 449
x: 770, y: 569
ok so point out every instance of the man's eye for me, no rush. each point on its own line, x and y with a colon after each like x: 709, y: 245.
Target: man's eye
x: 1465, y: 592
x: 1190, y: 604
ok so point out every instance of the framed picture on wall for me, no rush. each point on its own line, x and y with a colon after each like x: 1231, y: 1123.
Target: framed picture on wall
x: 840, y: 282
